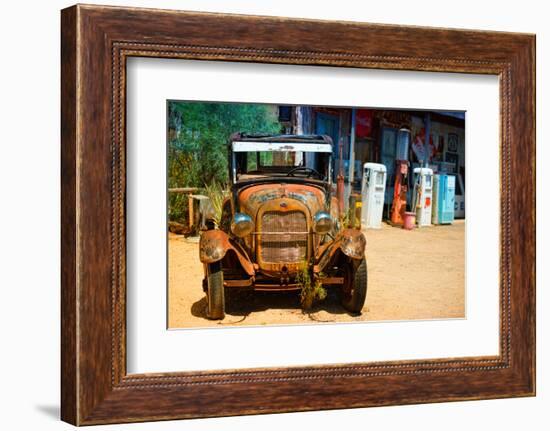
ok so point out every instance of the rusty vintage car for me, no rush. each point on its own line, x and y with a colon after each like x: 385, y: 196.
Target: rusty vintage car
x: 281, y: 215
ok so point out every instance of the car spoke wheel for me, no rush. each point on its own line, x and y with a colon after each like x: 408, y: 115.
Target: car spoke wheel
x: 215, y: 297
x: 354, y: 289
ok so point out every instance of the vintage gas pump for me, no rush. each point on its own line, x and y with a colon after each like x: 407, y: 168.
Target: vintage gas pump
x: 399, y: 204
x: 422, y: 196
x: 372, y: 194
x: 443, y: 211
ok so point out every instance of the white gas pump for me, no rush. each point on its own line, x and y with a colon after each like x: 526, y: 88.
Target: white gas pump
x: 422, y: 195
x: 372, y: 194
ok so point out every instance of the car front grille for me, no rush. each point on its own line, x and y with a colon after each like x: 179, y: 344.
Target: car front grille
x: 283, y: 237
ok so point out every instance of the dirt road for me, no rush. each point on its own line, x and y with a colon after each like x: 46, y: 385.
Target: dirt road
x: 415, y: 274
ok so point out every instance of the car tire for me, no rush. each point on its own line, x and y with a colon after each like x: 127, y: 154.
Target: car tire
x: 215, y: 298
x: 354, y: 290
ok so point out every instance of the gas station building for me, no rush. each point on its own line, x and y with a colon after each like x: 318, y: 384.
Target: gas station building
x: 385, y: 136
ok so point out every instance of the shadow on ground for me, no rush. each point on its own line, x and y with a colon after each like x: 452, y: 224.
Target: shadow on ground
x: 52, y: 411
x: 245, y: 302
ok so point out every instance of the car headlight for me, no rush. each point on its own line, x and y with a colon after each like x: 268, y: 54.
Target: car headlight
x: 322, y: 222
x: 242, y: 225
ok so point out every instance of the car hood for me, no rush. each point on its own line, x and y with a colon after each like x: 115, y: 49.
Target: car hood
x: 253, y: 197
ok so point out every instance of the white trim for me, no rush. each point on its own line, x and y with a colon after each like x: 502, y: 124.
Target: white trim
x: 243, y: 147
x: 152, y: 348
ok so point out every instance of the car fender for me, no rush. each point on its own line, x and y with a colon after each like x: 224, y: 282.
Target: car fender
x: 348, y: 242
x: 352, y: 242
x: 214, y: 245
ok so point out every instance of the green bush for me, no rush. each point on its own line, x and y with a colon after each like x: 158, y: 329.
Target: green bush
x: 310, y: 292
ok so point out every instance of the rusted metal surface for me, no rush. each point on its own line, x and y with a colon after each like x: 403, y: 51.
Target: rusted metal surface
x: 281, y: 198
x: 214, y: 245
x: 284, y: 252
x: 350, y: 242
x: 270, y: 287
x: 329, y: 281
x: 252, y: 198
x: 284, y: 237
x: 340, y: 194
x: 239, y: 283
x: 353, y: 243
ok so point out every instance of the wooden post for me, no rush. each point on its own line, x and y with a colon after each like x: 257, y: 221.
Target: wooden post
x: 190, y: 210
x: 183, y: 190
x: 186, y: 190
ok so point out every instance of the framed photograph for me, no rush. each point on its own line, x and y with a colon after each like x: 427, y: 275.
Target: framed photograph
x: 284, y: 220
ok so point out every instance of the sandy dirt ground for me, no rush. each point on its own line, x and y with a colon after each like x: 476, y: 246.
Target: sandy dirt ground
x: 415, y: 274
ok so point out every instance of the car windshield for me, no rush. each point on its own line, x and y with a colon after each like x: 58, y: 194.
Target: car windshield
x: 301, y: 164
x: 259, y: 160
x: 266, y: 158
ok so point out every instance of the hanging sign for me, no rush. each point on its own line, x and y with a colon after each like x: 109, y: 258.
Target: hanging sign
x: 363, y: 123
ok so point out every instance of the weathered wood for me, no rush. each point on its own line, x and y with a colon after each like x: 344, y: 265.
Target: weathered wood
x: 96, y: 41
x: 191, y: 210
x: 69, y: 282
x: 183, y: 190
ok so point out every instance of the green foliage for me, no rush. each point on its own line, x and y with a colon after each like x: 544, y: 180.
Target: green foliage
x: 345, y: 219
x: 178, y: 207
x: 310, y: 292
x: 198, y: 134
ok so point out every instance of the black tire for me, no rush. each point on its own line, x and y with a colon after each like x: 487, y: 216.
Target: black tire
x: 215, y: 298
x: 354, y: 290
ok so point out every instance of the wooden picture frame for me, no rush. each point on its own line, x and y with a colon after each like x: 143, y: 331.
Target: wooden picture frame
x: 95, y: 43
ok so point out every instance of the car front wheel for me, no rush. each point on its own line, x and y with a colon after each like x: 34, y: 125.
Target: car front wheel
x: 354, y: 289
x: 215, y: 292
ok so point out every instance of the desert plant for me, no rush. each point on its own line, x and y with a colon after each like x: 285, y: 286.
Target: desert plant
x: 216, y: 194
x: 310, y: 292
x: 345, y: 219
